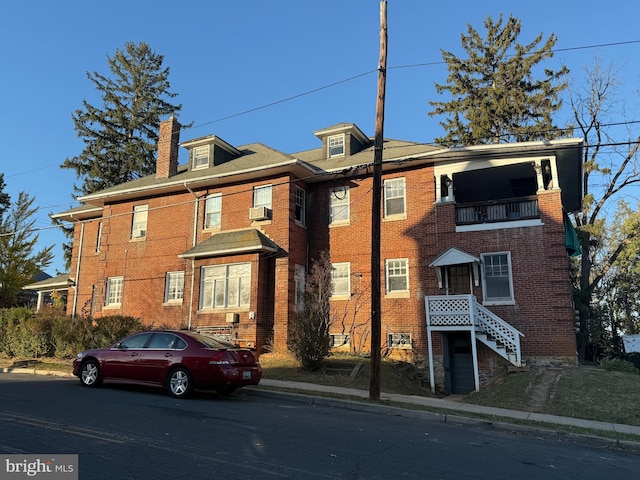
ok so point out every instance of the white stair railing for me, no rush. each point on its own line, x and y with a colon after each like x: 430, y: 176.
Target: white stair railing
x: 463, y: 312
x: 500, y: 332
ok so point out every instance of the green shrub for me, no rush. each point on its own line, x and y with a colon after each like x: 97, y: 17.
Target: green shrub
x: 27, y: 334
x: 619, y: 365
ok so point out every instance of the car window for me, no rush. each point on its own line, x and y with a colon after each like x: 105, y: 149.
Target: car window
x: 210, y: 341
x: 136, y: 341
x: 163, y: 341
x: 180, y: 344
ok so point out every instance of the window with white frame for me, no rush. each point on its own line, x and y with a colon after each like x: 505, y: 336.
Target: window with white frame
x: 397, y: 275
x: 339, y: 205
x: 497, y: 281
x: 174, y: 287
x: 335, y: 144
x: 201, y: 156
x: 99, y: 238
x: 399, y: 340
x: 394, y: 197
x: 262, y: 196
x: 139, y: 222
x: 213, y: 211
x: 299, y: 283
x: 340, y: 278
x: 113, y: 297
x: 339, y: 340
x: 225, y: 286
x: 301, y: 205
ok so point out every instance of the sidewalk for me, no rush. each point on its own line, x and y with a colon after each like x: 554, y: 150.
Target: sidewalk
x: 457, y: 408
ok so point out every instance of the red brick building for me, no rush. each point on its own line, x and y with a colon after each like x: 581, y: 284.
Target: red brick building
x: 474, y: 246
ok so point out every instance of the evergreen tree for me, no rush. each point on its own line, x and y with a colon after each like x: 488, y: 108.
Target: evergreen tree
x: 494, y: 95
x: 120, y: 138
x: 18, y: 261
x: 5, y: 200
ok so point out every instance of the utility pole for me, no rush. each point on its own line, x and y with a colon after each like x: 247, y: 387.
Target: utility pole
x: 376, y: 328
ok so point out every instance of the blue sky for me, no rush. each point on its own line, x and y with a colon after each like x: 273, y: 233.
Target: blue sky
x: 230, y: 57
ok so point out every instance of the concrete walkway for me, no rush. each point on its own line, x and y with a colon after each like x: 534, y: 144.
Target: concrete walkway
x: 450, y: 405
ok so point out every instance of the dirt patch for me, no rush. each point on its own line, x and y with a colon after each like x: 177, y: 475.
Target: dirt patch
x: 541, y: 389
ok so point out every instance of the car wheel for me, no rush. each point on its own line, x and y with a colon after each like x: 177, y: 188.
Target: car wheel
x: 90, y: 374
x: 179, y: 383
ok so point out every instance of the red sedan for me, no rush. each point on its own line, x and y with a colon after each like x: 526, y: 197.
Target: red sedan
x: 181, y: 361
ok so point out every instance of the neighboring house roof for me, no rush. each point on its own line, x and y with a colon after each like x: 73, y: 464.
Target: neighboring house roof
x: 51, y: 283
x: 239, y: 241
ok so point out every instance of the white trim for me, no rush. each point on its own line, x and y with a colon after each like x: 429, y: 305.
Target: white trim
x: 478, y: 227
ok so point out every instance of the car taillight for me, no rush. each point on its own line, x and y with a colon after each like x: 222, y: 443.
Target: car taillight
x: 220, y: 358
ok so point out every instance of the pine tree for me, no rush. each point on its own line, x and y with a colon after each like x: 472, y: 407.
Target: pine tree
x: 494, y: 95
x: 5, y: 200
x: 120, y: 138
x: 18, y: 261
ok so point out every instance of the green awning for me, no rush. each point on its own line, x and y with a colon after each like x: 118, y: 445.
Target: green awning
x: 571, y: 242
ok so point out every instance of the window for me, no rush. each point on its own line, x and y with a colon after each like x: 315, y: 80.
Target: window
x: 299, y: 283
x: 339, y: 340
x: 167, y: 341
x: 225, y: 286
x: 340, y: 278
x: 394, y: 197
x: 174, y: 287
x: 336, y: 145
x: 201, y: 156
x: 399, y: 340
x: 99, y: 237
x: 339, y: 205
x: 497, y: 284
x: 213, y: 211
x: 262, y: 196
x: 136, y: 341
x: 397, y: 275
x: 139, y: 224
x: 301, y: 200
x: 113, y: 297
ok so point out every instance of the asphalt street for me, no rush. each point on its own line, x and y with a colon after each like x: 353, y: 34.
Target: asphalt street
x: 140, y: 433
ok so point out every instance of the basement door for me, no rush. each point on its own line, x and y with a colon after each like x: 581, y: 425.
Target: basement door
x: 458, y: 363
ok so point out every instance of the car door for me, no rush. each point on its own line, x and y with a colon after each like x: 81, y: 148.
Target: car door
x: 158, y: 356
x: 121, y: 362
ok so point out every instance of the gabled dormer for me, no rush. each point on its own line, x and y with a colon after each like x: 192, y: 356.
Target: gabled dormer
x: 209, y: 151
x: 342, y: 140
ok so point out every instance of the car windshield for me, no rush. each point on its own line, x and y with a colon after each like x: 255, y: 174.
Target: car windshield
x: 210, y: 341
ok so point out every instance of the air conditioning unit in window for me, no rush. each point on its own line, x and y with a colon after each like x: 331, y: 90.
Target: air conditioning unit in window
x: 259, y: 213
x: 233, y: 317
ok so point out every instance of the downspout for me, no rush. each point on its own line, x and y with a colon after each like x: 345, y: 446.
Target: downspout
x: 193, y: 262
x: 77, y: 281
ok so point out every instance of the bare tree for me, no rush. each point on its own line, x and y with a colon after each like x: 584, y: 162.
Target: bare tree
x: 610, y: 173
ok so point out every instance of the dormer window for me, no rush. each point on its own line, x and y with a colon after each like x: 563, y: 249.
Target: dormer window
x: 335, y: 144
x: 201, y: 157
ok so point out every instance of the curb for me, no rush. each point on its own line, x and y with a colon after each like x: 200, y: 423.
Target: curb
x: 453, y: 419
x: 35, y: 371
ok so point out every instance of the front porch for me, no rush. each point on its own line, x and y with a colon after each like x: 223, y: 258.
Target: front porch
x: 451, y: 313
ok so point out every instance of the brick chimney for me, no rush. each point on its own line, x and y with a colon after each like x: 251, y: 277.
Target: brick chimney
x: 167, y: 163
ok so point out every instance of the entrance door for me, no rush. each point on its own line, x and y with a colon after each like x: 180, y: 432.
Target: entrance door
x: 458, y: 279
x: 458, y: 363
